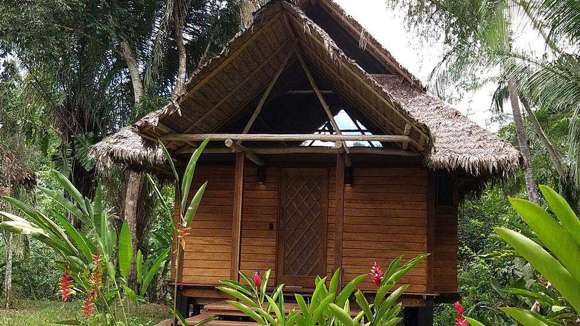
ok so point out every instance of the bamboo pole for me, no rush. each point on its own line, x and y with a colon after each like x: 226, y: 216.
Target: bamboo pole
x: 286, y: 137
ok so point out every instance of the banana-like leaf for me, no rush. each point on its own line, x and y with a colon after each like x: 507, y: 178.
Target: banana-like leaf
x: 80, y: 241
x: 363, y: 304
x: 125, y: 250
x: 544, y: 263
x: 541, y: 297
x: 69, y: 206
x: 155, y: 266
x: 130, y: 294
x: 242, y: 297
x: 189, y: 171
x: 71, y: 190
x: 551, y: 234
x: 563, y: 211
x: 524, y: 316
x: 194, y: 204
x: 22, y: 228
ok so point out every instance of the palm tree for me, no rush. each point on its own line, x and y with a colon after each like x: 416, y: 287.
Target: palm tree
x: 480, y: 37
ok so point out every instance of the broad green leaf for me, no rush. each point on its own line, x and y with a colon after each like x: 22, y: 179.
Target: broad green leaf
x: 551, y: 234
x: 169, y: 160
x: 130, y: 294
x: 236, y: 286
x: 473, y: 322
x: 240, y: 296
x: 322, y: 307
x: 189, y: 171
x: 349, y: 289
x: 125, y: 250
x: 71, y: 190
x: 363, y: 304
x: 192, y: 209
x: 544, y: 263
x: 334, y: 281
x: 523, y: 316
x: 341, y: 315
x: 155, y: 266
x: 69, y: 206
x: 541, y: 297
x: 81, y: 242
x: 247, y: 311
x: 563, y: 211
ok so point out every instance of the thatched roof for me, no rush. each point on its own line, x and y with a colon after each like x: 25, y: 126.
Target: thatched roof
x: 221, y: 91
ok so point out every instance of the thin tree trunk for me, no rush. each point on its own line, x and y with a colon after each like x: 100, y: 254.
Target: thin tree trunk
x: 522, y: 136
x: 179, y: 21
x: 553, y: 153
x: 131, y: 209
x: 8, y: 271
x: 133, y: 67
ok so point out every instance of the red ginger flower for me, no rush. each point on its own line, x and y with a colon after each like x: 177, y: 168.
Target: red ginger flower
x: 459, y: 318
x: 376, y: 274
x: 65, y: 286
x: 257, y: 279
x: 96, y: 278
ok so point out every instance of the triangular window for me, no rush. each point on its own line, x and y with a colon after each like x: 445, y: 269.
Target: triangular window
x: 347, y: 126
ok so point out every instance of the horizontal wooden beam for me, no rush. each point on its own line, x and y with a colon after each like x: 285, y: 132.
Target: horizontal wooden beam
x: 310, y: 150
x: 286, y: 137
x: 250, y: 155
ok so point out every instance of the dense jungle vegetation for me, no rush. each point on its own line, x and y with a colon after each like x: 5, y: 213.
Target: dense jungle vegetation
x: 74, y: 71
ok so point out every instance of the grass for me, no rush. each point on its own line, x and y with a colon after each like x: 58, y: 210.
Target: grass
x: 41, y: 313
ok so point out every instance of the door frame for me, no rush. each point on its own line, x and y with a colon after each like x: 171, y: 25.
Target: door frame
x: 302, y: 282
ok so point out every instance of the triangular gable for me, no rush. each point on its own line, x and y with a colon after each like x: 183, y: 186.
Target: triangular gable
x: 229, y: 82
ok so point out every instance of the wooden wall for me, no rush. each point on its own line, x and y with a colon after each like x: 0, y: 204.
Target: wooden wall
x: 386, y: 214
x: 207, y: 256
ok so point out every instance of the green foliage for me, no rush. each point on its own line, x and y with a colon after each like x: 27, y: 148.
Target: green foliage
x: 555, y: 256
x: 88, y: 256
x: 328, y: 305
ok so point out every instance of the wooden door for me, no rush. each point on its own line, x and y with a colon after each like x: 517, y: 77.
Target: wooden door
x: 302, y: 231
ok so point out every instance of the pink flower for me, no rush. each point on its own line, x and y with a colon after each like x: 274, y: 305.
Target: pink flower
x: 459, y: 319
x: 376, y: 274
x: 257, y: 279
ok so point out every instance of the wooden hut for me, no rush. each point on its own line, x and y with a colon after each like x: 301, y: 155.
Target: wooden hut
x: 324, y: 153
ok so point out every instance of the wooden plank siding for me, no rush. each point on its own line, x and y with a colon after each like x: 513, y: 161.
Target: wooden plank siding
x: 208, y: 251
x: 385, y: 216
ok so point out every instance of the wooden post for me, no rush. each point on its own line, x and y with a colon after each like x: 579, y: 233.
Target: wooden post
x: 237, y: 218
x: 339, y: 212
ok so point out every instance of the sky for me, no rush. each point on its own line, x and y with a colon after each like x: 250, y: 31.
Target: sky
x: 388, y: 27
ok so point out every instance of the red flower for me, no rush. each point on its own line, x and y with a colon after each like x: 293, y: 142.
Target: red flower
x: 376, y: 274
x: 257, y: 279
x: 65, y: 286
x: 89, y: 304
x: 459, y: 318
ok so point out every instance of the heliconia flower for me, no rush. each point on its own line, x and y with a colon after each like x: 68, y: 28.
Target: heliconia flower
x: 182, y: 233
x: 376, y: 274
x: 459, y: 318
x: 257, y: 279
x: 89, y: 304
x: 65, y: 286
x: 96, y: 278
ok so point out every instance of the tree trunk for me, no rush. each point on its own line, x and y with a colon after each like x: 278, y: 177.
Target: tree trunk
x: 133, y: 67
x: 179, y: 10
x: 130, y: 212
x: 523, y: 142
x: 553, y: 153
x: 8, y: 271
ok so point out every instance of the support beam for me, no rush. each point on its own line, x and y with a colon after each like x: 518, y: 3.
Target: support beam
x: 250, y: 76
x: 285, y: 137
x: 235, y: 147
x: 339, y: 213
x: 325, y: 106
x: 311, y: 150
x: 406, y: 132
x: 264, y: 97
x: 237, y: 217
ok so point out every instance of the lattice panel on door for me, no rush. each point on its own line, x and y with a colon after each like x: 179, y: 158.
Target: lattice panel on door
x: 303, y: 225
